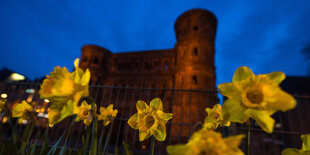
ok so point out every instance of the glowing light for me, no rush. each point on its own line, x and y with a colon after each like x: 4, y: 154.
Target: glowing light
x: 45, y: 115
x: 5, y: 119
x: 40, y: 115
x: 17, y: 77
x: 278, y: 125
x: 25, y: 121
x: 30, y: 91
x: 4, y: 95
x: 46, y: 100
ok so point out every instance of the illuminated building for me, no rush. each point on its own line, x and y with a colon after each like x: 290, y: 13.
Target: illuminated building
x: 189, y: 65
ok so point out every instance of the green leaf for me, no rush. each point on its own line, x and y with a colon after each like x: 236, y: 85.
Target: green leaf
x: 93, y: 149
x: 108, y: 138
x: 127, y: 149
x: 63, y: 149
x: 67, y: 131
x: 44, y: 146
x: 86, y: 141
x: 26, y: 137
x: 53, y: 149
x: 33, y: 148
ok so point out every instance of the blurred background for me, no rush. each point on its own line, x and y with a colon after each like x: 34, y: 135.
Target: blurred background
x: 264, y: 35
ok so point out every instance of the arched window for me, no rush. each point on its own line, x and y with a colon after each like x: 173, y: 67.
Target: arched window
x: 195, y: 28
x: 195, y: 51
x: 96, y: 60
x: 194, y: 80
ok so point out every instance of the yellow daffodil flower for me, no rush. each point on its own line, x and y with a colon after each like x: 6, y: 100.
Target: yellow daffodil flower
x: 2, y: 105
x: 208, y: 142
x: 22, y: 111
x: 86, y: 113
x: 64, y: 90
x: 305, y: 150
x: 255, y: 96
x: 107, y: 114
x: 150, y: 120
x: 214, y: 118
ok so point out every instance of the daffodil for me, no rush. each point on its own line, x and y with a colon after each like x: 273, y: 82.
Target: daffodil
x: 214, y: 118
x: 86, y: 113
x: 22, y: 111
x: 64, y: 90
x: 107, y: 114
x: 305, y: 150
x: 150, y: 120
x: 208, y: 142
x: 255, y: 96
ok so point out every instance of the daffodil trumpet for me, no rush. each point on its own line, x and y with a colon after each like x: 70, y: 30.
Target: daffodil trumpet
x: 150, y: 120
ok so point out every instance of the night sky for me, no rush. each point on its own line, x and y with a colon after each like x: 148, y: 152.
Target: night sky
x: 36, y: 36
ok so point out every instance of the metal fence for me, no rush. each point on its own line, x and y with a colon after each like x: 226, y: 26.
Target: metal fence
x: 188, y: 108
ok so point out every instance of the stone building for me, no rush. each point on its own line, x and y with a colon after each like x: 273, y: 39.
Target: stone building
x: 189, y: 65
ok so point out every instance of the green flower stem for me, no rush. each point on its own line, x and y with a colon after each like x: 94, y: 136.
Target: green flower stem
x: 94, y: 143
x: 108, y: 138
x: 248, y: 137
x: 152, y: 145
x: 63, y: 149
x: 26, y: 137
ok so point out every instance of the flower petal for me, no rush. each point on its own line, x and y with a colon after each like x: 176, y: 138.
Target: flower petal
x: 114, y: 113
x: 291, y: 151
x: 229, y: 90
x: 234, y: 141
x: 262, y: 118
x: 276, y: 77
x: 133, y: 121
x: 281, y: 101
x: 106, y: 122
x: 234, y: 112
x: 177, y: 149
x: 144, y: 135
x: 156, y: 104
x: 164, y: 116
x: 305, y: 142
x: 85, y: 78
x: 160, y: 133
x: 76, y: 62
x: 242, y: 73
x: 141, y: 106
x: 59, y: 111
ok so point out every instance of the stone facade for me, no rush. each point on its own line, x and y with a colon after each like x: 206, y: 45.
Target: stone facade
x: 189, y: 65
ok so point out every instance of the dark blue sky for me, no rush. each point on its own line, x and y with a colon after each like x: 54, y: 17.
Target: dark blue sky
x: 265, y: 35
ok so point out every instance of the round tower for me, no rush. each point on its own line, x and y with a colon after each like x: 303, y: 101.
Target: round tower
x: 195, y: 32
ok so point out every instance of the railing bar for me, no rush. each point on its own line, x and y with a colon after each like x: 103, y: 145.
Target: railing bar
x: 110, y: 95
x: 102, y: 97
x: 135, y: 134
x: 130, y: 113
x: 181, y: 116
x: 164, y: 103
x: 199, y: 107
